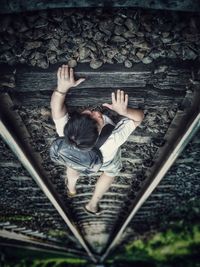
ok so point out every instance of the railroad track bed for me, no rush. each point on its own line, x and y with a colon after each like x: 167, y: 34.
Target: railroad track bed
x: 142, y: 156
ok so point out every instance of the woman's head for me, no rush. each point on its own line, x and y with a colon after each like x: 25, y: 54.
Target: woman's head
x: 82, y: 130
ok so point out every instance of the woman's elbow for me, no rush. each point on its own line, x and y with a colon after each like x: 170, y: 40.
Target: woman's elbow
x: 141, y: 116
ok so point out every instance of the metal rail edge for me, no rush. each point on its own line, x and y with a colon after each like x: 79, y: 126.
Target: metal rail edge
x: 46, y: 246
x: 9, y: 135
x: 174, y: 149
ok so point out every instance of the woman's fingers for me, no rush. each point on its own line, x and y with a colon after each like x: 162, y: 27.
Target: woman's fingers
x: 59, y: 73
x: 62, y: 71
x: 65, y: 75
x: 66, y: 72
x: 118, y: 96
x: 122, y: 96
x: 113, y: 97
x: 107, y: 105
x: 71, y: 75
x: 126, y: 100
x: 79, y: 81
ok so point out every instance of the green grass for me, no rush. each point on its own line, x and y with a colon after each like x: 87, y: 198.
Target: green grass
x: 58, y: 262
x: 57, y: 233
x: 174, y: 244
x: 176, y: 247
x: 15, y: 218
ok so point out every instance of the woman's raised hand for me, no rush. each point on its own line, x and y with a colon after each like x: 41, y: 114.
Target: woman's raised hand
x: 65, y: 76
x: 119, y: 102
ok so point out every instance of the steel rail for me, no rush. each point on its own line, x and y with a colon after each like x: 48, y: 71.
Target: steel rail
x: 37, y: 244
x: 177, y: 146
x: 14, y: 141
x: 29, y: 247
x: 34, y: 241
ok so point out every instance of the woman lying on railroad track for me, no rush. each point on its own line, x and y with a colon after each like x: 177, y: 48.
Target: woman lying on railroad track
x: 90, y: 140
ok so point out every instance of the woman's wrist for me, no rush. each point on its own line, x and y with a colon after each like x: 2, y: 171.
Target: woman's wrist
x: 62, y: 90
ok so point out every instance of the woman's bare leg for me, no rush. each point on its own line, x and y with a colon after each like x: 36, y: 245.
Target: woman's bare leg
x: 103, y: 184
x: 71, y: 179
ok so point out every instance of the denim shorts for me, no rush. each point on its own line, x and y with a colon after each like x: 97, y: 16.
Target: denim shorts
x: 113, y: 167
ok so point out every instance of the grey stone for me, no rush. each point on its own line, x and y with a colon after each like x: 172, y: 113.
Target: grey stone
x: 155, y: 54
x: 43, y: 63
x: 118, y: 39
x: 88, y: 59
x: 91, y: 45
x: 140, y: 54
x: 10, y: 30
x: 166, y: 40
x: 129, y: 34
x: 57, y: 15
x: 86, y: 24
x: 161, y: 69
x: 189, y: 54
x: 22, y: 60
x: 8, y: 55
x: 147, y: 26
x: 53, y: 45
x: 65, y: 25
x: 171, y: 54
x: 84, y: 52
x: 52, y: 57
x: 5, y: 47
x: 119, y: 21
x: 120, y: 58
x: 131, y: 25
x: 165, y: 34
x: 18, y: 51
x: 78, y: 40
x: 7, y: 81
x: 147, y: 60
x: 40, y: 23
x: 110, y: 61
x: 32, y: 45
x: 37, y: 34
x: 134, y: 58
x: 128, y: 63
x: 20, y: 25
x: 111, y: 53
x: 72, y: 63
x: 133, y: 50
x: 95, y: 64
x: 98, y: 36
x: 29, y: 35
x: 140, y: 34
x: 64, y: 39
x: 106, y: 26
x: 143, y: 45
x: 125, y: 51
x: 5, y: 22
x: 154, y: 35
x: 119, y: 30
x: 63, y: 58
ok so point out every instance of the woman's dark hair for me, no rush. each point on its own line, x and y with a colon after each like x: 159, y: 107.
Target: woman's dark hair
x: 81, y: 131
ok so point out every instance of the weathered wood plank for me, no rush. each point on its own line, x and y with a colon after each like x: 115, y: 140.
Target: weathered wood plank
x: 9, y: 6
x: 46, y: 81
x: 176, y: 76
x: 75, y: 99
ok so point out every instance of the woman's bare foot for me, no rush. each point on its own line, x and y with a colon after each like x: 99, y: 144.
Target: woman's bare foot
x: 71, y: 187
x: 94, y: 210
